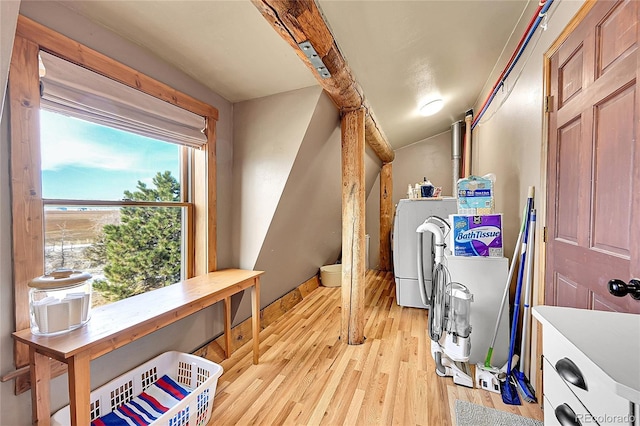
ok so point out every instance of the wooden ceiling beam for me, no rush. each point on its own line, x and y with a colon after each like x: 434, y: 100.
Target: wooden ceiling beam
x: 298, y: 21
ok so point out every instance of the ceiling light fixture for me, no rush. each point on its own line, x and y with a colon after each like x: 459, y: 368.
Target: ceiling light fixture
x: 431, y: 107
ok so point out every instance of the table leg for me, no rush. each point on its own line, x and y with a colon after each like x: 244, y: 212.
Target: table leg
x: 255, y: 318
x: 227, y: 326
x: 79, y: 389
x: 40, y: 387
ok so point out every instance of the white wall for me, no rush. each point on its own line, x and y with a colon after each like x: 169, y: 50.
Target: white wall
x: 268, y: 134
x: 430, y: 158
x: 305, y: 233
x: 186, y: 335
x: 372, y: 223
x: 287, y: 189
x: 8, y: 18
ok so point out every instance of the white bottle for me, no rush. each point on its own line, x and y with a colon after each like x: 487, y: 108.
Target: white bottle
x: 410, y: 192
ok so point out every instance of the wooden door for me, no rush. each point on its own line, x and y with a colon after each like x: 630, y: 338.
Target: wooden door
x: 593, y: 197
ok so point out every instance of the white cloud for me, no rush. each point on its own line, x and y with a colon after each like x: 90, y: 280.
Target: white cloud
x: 60, y: 153
x: 147, y: 181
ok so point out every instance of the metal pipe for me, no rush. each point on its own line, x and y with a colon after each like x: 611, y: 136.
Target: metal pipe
x: 456, y: 139
x: 456, y: 153
x: 467, y: 143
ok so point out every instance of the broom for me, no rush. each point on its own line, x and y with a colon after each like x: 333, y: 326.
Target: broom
x: 508, y: 388
x: 524, y: 387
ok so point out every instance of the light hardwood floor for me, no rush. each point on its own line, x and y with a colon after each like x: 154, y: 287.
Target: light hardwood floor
x: 307, y: 376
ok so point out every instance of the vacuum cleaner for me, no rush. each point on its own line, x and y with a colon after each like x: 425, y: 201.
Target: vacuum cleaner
x: 449, y: 310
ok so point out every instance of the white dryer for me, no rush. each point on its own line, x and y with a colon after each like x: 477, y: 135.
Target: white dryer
x: 409, y: 215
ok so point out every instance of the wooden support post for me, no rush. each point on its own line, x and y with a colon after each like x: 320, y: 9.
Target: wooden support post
x: 353, y: 220
x: 386, y: 215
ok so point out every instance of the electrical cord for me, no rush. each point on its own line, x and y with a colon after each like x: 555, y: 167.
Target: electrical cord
x: 540, y: 14
x: 543, y: 25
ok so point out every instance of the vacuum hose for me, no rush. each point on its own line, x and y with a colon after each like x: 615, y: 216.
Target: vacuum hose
x: 436, y: 316
x: 433, y: 295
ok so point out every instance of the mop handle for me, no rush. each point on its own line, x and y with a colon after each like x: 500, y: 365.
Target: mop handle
x: 512, y: 268
x: 527, y: 289
x: 516, y: 304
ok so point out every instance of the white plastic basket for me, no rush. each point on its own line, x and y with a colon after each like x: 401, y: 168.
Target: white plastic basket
x: 197, y: 374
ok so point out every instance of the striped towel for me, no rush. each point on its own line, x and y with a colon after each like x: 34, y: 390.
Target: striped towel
x: 156, y: 400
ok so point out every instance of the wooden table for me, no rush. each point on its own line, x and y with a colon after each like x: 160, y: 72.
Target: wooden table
x: 123, y: 322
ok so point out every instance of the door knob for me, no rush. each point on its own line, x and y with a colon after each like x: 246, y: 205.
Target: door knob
x: 620, y: 288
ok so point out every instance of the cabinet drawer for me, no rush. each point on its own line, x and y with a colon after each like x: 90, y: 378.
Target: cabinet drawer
x: 565, y: 360
x: 550, y: 419
x: 556, y: 394
x: 549, y: 413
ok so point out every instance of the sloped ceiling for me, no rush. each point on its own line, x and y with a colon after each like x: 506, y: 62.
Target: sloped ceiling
x: 406, y: 53
x: 401, y: 52
x: 226, y: 45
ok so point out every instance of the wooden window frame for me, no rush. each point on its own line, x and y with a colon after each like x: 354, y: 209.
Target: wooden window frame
x: 26, y: 185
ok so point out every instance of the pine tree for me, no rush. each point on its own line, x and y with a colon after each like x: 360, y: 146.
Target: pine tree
x: 143, y: 251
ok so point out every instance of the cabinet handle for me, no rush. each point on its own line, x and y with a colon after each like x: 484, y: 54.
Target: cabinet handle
x: 566, y: 416
x: 571, y: 373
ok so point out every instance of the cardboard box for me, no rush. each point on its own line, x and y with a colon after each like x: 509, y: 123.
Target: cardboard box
x: 476, y: 235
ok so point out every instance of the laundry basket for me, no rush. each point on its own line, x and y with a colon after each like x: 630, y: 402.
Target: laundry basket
x: 191, y: 387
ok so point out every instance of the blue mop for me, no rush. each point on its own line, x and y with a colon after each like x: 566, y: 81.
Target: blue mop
x: 508, y: 388
x: 524, y: 387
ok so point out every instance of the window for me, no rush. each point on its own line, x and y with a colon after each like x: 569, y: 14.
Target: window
x: 114, y: 201
x: 113, y: 207
x: 38, y: 199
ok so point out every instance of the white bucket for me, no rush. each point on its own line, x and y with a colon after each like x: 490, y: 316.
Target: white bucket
x: 331, y: 275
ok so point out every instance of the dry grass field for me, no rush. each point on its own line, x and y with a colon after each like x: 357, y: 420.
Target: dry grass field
x: 77, y: 226
x: 68, y: 233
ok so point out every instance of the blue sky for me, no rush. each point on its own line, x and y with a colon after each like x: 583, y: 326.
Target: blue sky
x: 82, y: 160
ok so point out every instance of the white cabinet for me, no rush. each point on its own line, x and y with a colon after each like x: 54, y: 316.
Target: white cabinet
x: 485, y: 278
x: 591, y: 368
